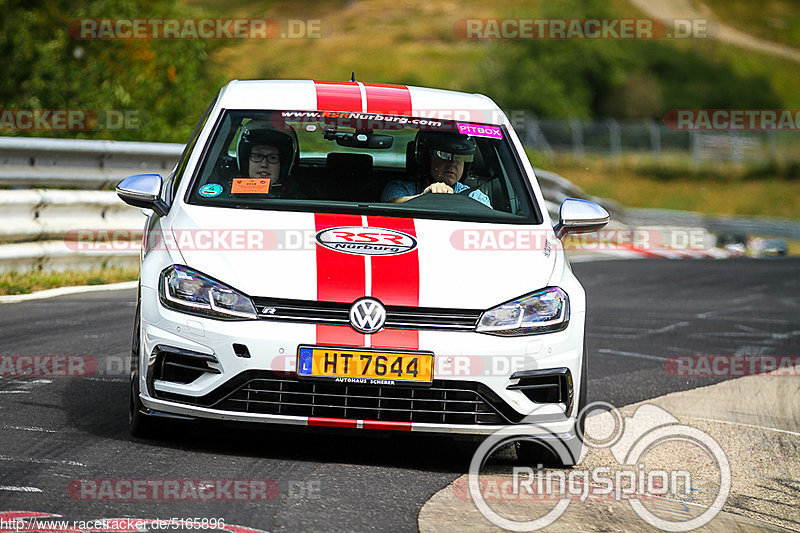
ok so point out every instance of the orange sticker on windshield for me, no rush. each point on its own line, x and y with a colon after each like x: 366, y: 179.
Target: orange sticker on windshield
x: 250, y: 186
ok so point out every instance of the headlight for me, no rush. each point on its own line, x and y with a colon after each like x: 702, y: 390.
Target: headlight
x: 185, y: 290
x: 539, y: 312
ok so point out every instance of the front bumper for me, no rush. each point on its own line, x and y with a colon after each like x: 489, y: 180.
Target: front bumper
x: 472, y: 376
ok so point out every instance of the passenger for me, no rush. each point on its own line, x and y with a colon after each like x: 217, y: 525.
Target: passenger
x: 442, y: 159
x: 264, y: 152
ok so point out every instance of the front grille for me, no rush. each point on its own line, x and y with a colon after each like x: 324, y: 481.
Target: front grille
x: 397, y: 317
x: 445, y: 402
x: 395, y: 404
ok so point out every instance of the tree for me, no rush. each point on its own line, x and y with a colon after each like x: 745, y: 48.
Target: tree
x: 163, y: 85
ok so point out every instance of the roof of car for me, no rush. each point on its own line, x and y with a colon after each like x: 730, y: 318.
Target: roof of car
x: 311, y: 95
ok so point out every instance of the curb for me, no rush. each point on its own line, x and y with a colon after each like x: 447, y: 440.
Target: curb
x: 62, y: 291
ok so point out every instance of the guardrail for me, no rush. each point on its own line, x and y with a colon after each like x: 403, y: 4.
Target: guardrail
x: 35, y: 233
x: 33, y: 162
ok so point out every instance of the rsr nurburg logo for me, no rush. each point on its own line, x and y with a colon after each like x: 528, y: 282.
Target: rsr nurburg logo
x: 360, y: 240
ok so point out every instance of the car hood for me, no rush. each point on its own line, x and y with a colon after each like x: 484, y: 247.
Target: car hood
x: 400, y: 261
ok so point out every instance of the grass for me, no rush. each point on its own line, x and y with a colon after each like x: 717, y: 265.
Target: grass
x: 413, y: 42
x: 27, y: 282
x: 675, y: 183
x: 771, y: 20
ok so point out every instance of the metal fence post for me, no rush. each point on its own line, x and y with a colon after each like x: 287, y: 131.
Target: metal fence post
x: 737, y: 153
x: 615, y: 138
x: 695, y: 140
x: 577, y: 138
x: 772, y: 139
x: 655, y: 139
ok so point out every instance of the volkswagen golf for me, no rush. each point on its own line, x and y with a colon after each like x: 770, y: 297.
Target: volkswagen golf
x: 368, y: 257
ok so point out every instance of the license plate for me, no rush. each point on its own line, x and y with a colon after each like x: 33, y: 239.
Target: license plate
x: 368, y: 367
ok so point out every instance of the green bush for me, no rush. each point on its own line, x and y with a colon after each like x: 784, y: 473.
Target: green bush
x: 166, y: 84
x: 624, y: 79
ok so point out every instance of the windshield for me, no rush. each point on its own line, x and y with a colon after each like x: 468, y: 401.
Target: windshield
x: 363, y: 163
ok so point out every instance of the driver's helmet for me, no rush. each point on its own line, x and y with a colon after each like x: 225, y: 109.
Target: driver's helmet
x: 446, y: 145
x: 261, y: 132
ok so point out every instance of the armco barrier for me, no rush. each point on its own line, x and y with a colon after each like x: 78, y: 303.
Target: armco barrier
x: 36, y: 220
x: 38, y: 213
x: 35, y: 162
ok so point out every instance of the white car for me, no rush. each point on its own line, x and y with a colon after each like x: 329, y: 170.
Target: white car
x: 354, y: 255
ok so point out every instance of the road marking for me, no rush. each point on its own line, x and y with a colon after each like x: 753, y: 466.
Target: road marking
x: 638, y: 332
x: 61, y: 291
x: 15, y: 392
x: 12, y: 488
x: 40, y: 461
x: 30, y: 428
x: 109, y: 380
x: 671, y: 327
x: 633, y: 354
x: 795, y: 433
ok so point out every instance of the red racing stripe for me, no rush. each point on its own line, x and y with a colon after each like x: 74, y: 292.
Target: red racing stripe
x: 338, y: 96
x: 379, y: 424
x: 389, y: 99
x: 395, y: 281
x: 340, y: 278
x: 333, y: 422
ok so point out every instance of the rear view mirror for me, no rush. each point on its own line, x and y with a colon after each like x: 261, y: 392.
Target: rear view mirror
x: 360, y: 139
x: 580, y: 216
x: 143, y: 190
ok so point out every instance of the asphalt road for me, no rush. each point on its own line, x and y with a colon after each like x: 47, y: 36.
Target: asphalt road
x: 55, y: 431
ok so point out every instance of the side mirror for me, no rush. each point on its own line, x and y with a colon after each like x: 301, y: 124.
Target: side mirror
x: 143, y: 190
x: 580, y: 216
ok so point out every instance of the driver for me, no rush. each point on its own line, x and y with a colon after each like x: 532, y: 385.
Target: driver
x: 442, y: 158
x: 264, y: 152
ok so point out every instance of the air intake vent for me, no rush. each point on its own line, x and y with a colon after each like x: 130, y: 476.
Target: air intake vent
x: 181, y: 366
x: 551, y: 385
x: 241, y: 351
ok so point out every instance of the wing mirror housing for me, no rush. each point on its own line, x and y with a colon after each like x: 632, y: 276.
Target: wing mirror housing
x: 580, y: 216
x: 143, y: 190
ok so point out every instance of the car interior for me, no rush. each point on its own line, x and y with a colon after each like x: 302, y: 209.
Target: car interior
x: 350, y: 171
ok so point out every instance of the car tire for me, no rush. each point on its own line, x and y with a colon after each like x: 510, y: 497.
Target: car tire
x: 536, y: 452
x: 140, y: 424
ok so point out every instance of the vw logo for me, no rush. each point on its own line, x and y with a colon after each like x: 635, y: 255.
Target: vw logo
x: 367, y: 315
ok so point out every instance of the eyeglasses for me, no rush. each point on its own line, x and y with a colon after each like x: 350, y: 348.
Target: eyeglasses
x: 447, y: 156
x: 256, y: 157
